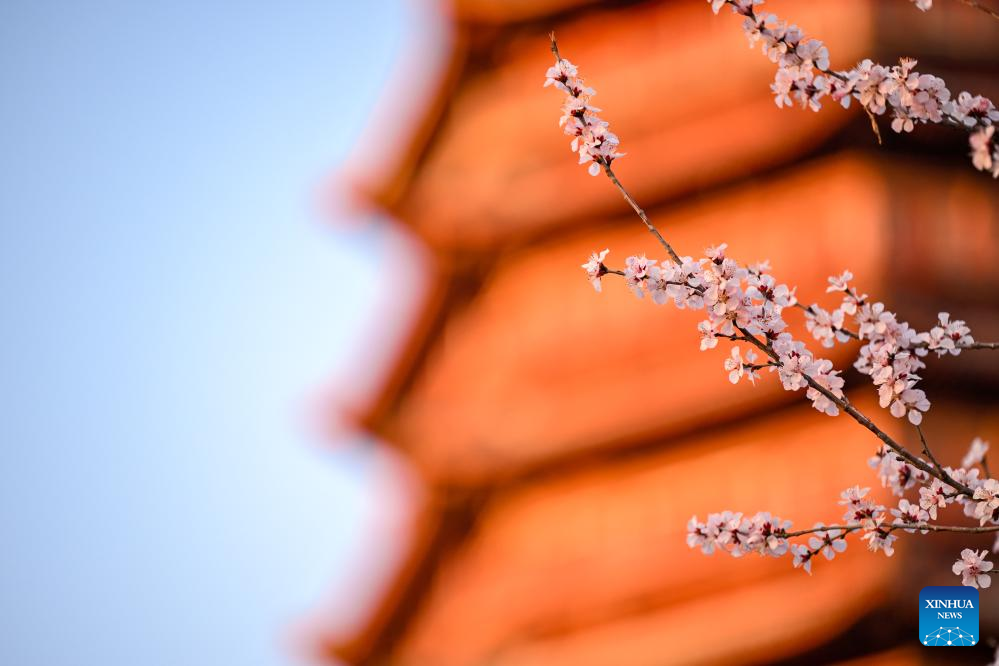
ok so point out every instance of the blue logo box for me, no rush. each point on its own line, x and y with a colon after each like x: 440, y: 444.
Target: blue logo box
x: 948, y: 616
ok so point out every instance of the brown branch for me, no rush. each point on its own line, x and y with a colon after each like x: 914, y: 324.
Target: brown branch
x: 929, y: 454
x: 979, y: 6
x: 641, y: 213
x: 928, y: 527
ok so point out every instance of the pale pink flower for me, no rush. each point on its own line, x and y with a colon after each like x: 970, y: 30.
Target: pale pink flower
x: 859, y: 509
x: 802, y: 557
x: 924, y: 5
x: 895, y: 473
x: 826, y: 327
x: 987, y: 501
x: 947, y: 336
x: 982, y: 155
x: 822, y: 373
x: 708, y: 338
x: 934, y: 496
x: 911, y: 514
x: 560, y: 74
x: 973, y: 568
x: 973, y: 109
x: 878, y: 539
x: 768, y: 535
x: 595, y: 268
x: 839, y: 282
x: 813, y: 53
x: 736, y: 366
x: 976, y: 453
x: 828, y: 542
x: 700, y: 535
x: 636, y: 271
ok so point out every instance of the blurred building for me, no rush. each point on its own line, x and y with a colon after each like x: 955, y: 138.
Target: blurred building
x: 564, y: 438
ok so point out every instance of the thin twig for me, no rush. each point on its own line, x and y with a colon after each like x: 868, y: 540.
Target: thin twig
x: 927, y: 527
x: 929, y: 454
x: 641, y: 213
x: 979, y: 6
x: 874, y: 124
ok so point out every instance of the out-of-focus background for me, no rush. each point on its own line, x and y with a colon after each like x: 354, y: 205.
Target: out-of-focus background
x: 180, y: 288
x: 299, y: 364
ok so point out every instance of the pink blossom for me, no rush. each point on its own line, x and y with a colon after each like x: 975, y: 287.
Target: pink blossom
x: 595, y: 268
x: 987, y: 501
x: 636, y: 271
x: 802, y: 558
x: 973, y: 110
x: 822, y: 373
x: 736, y: 366
x: 839, y: 282
x: 699, y: 535
x: 768, y: 535
x: 895, y: 473
x: 947, y: 336
x: 976, y: 453
x: 907, y: 402
x: 909, y: 513
x: 973, y: 568
x: 860, y: 510
x: 984, y: 155
x: 828, y: 542
x: 878, y: 539
x: 813, y: 54
x: 824, y: 326
x: 934, y: 496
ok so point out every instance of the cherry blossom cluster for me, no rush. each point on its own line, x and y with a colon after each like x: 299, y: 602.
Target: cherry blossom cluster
x: 803, y: 77
x: 762, y: 534
x: 591, y: 138
x: 741, y: 304
x: 893, y: 350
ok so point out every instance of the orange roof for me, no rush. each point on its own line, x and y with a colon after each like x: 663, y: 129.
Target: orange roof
x: 538, y: 344
x: 692, y: 106
x: 556, y: 569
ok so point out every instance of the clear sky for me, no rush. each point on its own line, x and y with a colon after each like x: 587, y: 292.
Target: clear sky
x: 170, y: 297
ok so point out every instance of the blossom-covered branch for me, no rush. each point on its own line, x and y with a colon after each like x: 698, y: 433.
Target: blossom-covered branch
x: 745, y: 304
x: 803, y: 76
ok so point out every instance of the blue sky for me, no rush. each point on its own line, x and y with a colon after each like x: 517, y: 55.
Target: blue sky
x: 170, y: 296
